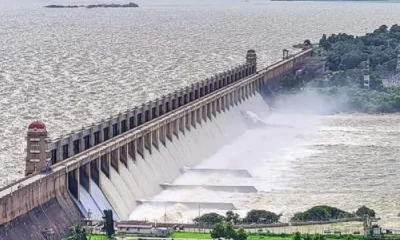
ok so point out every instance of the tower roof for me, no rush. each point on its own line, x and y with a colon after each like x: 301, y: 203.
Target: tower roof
x: 37, y: 125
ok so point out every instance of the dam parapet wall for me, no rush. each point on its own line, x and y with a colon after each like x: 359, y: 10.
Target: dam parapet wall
x: 69, y: 145
x: 100, y: 157
x: 36, y: 190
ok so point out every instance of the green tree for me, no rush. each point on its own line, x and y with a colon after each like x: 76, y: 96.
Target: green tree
x: 375, y: 81
x: 76, y: 233
x: 319, y: 237
x: 230, y: 232
x: 232, y: 217
x: 210, y: 218
x: 322, y: 42
x: 241, y: 234
x: 297, y: 236
x: 290, y: 82
x: 346, y: 51
x: 320, y: 213
x: 351, y: 60
x: 365, y: 211
x: 339, y: 78
x: 307, y: 237
x: 382, y: 29
x: 307, y: 42
x: 262, y: 216
x: 218, y: 231
x: 108, y: 223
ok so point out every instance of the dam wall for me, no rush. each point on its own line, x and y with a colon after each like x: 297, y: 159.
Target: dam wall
x: 57, y: 214
x: 69, y: 145
x: 126, y: 158
x: 19, y: 199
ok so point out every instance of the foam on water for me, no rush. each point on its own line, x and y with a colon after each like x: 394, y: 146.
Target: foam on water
x: 317, y: 161
x: 222, y: 149
x: 281, y: 161
x: 198, y: 144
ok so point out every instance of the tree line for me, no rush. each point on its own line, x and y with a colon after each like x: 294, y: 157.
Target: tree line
x: 253, y: 216
x: 317, y: 213
x: 346, y: 51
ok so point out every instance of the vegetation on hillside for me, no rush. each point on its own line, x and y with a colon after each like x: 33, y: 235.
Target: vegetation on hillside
x: 346, y: 52
x: 348, y: 59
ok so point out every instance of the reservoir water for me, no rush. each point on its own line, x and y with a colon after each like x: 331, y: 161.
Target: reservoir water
x: 71, y: 67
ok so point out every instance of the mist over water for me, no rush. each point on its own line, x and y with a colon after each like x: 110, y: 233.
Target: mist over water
x: 344, y: 161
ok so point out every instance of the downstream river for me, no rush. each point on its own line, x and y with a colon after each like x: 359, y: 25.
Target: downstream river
x: 72, y: 67
x: 344, y: 161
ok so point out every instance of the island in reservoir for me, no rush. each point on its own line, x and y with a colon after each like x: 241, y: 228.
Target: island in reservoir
x: 129, y: 5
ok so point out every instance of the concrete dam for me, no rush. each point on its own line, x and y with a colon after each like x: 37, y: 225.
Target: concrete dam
x: 121, y: 162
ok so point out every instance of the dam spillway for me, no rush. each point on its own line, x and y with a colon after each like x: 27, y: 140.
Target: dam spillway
x: 192, y: 205
x: 233, y: 172
x: 149, y: 173
x: 219, y: 188
x: 115, y: 163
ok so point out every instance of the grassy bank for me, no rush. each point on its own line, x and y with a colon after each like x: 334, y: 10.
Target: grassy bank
x: 99, y: 237
x: 251, y: 236
x: 190, y: 235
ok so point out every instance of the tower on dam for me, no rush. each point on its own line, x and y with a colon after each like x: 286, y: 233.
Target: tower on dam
x: 37, y: 156
x: 251, y: 57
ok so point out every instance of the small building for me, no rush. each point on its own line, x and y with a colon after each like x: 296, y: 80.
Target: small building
x: 145, y: 228
x: 376, y: 230
x: 134, y: 228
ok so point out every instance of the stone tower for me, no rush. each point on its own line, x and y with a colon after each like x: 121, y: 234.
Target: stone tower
x: 37, y: 155
x: 251, y: 57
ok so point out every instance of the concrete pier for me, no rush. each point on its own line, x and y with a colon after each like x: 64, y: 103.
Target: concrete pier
x: 234, y: 172
x: 192, y: 205
x: 99, y: 155
x: 220, y: 188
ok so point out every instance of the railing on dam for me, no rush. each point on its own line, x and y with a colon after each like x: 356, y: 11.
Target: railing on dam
x: 257, y: 78
x: 157, y: 124
x: 67, y: 146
